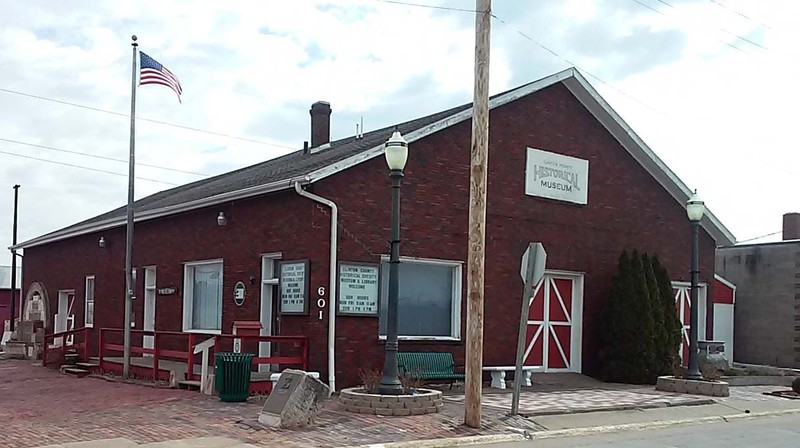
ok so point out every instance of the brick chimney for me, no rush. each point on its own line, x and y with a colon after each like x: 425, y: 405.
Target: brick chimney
x: 320, y: 123
x: 791, y: 226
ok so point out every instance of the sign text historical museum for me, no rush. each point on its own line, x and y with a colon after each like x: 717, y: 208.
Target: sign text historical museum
x: 294, y: 287
x: 358, y: 289
x: 556, y: 176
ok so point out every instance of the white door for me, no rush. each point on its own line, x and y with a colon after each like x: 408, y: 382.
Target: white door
x: 65, y: 318
x: 723, y: 327
x: 268, y: 284
x: 554, y: 331
x: 683, y: 305
x: 149, y: 318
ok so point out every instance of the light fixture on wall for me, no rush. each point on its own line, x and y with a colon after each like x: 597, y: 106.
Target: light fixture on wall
x: 102, y: 242
x: 221, y: 219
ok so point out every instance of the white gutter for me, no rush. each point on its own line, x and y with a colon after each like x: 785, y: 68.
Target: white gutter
x: 332, y: 287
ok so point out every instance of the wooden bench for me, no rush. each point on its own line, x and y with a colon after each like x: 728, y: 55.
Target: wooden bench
x: 429, y: 366
x: 499, y: 375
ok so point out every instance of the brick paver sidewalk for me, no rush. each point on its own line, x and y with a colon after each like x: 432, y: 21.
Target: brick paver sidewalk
x: 40, y: 406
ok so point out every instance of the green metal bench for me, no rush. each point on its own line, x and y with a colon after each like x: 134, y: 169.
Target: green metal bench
x: 429, y: 366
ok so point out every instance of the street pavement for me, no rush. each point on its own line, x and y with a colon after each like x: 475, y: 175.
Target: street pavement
x: 768, y: 432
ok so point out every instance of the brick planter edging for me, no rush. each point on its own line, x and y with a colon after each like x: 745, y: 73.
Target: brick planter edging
x: 426, y: 401
x: 684, y: 386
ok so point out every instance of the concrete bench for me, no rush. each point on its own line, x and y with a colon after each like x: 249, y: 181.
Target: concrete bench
x: 499, y: 375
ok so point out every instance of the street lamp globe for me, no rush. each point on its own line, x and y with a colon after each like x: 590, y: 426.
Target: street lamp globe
x: 396, y: 151
x: 695, y: 207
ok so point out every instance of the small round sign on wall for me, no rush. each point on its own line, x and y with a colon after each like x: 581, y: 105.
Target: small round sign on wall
x: 238, y: 294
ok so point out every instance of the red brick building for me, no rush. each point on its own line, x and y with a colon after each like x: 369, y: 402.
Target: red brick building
x: 5, y: 295
x: 564, y: 170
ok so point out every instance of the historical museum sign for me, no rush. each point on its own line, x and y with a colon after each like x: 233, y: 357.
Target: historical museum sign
x: 294, y: 287
x: 358, y: 289
x: 556, y: 176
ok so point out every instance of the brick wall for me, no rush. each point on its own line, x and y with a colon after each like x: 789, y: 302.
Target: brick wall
x: 627, y: 209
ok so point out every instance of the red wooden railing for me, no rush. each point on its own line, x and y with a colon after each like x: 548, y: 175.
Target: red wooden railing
x: 297, y: 341
x: 83, y: 332
x: 156, y: 351
x: 192, y: 339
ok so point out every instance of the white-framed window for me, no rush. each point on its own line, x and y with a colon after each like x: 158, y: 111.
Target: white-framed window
x: 429, y: 305
x: 202, y: 296
x: 88, y: 310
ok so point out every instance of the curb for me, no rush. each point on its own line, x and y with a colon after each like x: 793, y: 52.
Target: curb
x: 659, y: 405
x: 473, y: 440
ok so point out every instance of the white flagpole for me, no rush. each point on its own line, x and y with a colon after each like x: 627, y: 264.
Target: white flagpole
x: 129, y: 285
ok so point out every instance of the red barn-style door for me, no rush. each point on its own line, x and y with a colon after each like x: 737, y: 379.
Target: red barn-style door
x: 683, y: 306
x: 555, y: 329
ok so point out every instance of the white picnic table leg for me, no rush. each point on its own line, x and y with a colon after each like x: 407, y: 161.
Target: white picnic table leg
x: 526, y: 376
x: 498, y: 379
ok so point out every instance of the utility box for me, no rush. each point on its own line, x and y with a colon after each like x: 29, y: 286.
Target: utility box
x: 247, y: 328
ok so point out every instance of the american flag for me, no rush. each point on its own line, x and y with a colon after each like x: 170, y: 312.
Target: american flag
x: 151, y: 72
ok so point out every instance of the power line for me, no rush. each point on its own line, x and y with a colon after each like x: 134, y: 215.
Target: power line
x: 180, y: 126
x: 759, y: 237
x: 84, y: 167
x: 420, y: 5
x: 720, y: 40
x: 739, y: 13
x: 737, y: 36
x: 546, y: 48
x: 549, y: 50
x: 100, y: 157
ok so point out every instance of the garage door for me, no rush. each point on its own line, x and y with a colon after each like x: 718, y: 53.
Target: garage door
x: 554, y: 331
x: 683, y: 306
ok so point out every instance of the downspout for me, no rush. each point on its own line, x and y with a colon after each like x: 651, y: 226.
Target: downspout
x: 332, y: 287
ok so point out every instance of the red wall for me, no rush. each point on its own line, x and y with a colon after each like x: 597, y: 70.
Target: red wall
x: 5, y: 306
x: 723, y: 293
x: 627, y: 209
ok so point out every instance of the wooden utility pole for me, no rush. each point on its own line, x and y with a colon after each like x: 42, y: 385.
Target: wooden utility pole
x: 477, y: 215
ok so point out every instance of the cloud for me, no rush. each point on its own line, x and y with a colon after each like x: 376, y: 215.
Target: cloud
x: 252, y: 71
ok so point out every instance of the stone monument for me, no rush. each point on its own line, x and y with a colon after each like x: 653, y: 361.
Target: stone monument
x: 294, y: 400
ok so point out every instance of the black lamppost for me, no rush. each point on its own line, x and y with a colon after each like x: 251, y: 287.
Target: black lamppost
x: 694, y: 209
x: 396, y: 151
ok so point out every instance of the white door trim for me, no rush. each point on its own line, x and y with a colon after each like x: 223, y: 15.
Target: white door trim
x: 149, y: 311
x: 62, y: 317
x: 682, y: 292
x: 269, y: 280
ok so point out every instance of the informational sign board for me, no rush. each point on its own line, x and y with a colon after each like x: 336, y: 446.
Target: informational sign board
x: 294, y: 287
x: 556, y: 176
x: 359, y: 287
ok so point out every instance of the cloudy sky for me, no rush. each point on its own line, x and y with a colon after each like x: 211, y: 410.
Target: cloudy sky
x: 710, y: 85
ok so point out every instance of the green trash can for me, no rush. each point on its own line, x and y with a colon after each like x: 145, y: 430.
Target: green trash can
x: 232, y: 376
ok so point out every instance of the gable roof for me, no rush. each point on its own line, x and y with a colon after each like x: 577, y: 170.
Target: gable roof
x: 283, y: 172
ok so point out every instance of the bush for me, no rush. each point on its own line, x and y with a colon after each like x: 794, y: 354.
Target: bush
x: 370, y: 379
x: 626, y: 335
x: 670, y: 346
x: 640, y: 335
